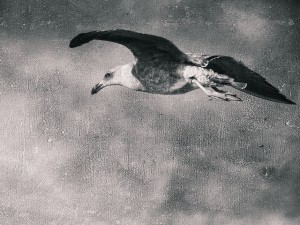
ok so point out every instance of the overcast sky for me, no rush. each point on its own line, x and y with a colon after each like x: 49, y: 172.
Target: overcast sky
x: 124, y: 157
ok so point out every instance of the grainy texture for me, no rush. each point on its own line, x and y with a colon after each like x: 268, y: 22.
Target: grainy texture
x: 123, y: 157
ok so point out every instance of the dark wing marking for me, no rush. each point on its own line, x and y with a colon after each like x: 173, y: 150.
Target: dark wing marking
x: 143, y: 46
x: 256, y: 84
x: 200, y: 60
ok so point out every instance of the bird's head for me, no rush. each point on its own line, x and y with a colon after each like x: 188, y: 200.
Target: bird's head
x: 110, y: 78
x: 120, y: 75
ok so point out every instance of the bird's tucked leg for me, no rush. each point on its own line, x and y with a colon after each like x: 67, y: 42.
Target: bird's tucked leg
x: 216, y: 94
x: 218, y: 90
x: 224, y: 92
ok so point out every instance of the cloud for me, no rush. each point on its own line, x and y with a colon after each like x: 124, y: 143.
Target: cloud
x: 122, y: 157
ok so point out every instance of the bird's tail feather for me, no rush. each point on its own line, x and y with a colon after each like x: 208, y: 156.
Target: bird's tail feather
x: 255, y: 84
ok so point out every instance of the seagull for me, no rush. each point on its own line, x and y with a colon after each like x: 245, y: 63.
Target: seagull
x: 162, y: 68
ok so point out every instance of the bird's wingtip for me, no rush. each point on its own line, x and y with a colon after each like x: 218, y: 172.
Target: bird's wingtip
x: 287, y: 101
x: 72, y: 46
x: 74, y: 43
x: 78, y: 40
x: 291, y: 102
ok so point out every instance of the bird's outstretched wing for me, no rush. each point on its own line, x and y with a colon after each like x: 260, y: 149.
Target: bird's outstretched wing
x: 256, y: 84
x: 144, y: 47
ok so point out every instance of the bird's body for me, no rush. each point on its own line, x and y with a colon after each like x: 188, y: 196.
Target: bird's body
x: 158, y: 78
x: 172, y: 78
x: 161, y: 68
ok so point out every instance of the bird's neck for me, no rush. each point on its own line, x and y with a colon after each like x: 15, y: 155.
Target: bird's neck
x: 127, y: 79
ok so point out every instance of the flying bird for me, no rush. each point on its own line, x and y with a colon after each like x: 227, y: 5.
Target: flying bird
x: 161, y: 68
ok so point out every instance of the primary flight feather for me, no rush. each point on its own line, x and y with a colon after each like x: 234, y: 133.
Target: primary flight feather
x: 161, y: 68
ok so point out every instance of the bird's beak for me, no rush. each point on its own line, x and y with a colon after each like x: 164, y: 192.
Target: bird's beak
x: 97, y: 88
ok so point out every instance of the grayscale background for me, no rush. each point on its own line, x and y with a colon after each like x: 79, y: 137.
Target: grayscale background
x: 130, y: 158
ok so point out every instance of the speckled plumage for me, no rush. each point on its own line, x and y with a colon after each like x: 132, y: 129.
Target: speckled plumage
x: 159, y: 77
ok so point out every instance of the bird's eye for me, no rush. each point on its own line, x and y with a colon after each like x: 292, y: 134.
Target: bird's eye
x: 107, y: 75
